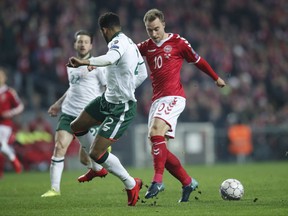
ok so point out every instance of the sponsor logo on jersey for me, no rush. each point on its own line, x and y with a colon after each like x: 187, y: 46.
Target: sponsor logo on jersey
x: 153, y: 50
x: 114, y: 47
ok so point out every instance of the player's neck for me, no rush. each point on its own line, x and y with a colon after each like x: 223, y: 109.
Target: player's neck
x: 165, y: 36
x: 87, y: 56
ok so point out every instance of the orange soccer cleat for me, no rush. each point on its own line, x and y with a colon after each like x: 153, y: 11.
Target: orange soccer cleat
x: 133, y: 194
x: 17, y: 165
x: 92, y: 174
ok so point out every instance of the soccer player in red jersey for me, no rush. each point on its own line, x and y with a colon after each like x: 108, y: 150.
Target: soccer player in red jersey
x: 165, y: 53
x: 10, y: 105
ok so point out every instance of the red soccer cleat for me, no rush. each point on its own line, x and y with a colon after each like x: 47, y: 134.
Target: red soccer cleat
x: 133, y: 194
x: 17, y: 165
x: 92, y: 174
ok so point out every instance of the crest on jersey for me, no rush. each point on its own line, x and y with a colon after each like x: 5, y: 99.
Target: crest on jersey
x: 167, y: 49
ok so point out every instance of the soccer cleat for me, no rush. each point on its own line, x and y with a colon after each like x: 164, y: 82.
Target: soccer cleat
x: 92, y: 174
x: 17, y: 165
x: 133, y: 194
x: 51, y: 193
x: 154, y: 189
x: 187, y: 190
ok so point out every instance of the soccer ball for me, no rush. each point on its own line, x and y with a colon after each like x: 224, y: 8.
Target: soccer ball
x: 231, y: 189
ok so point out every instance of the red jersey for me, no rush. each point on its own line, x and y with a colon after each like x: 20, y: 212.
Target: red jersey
x: 8, y: 100
x: 165, y: 61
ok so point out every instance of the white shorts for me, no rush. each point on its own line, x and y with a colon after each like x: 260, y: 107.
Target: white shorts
x: 168, y: 109
x: 5, y: 133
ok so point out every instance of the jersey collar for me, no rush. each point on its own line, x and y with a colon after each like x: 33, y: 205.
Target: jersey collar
x: 3, y: 88
x: 115, y: 35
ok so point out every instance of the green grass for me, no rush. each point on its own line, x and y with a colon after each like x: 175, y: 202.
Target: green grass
x: 266, y: 182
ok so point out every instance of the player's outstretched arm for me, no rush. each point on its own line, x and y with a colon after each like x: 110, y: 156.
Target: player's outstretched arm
x: 54, y: 109
x: 203, y: 65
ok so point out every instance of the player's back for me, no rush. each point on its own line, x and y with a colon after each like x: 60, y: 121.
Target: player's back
x: 120, y: 75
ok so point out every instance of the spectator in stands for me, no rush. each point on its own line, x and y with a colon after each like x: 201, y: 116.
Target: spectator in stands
x: 240, y: 138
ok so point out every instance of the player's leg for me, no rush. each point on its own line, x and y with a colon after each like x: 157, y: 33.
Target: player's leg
x: 157, y: 127
x: 83, y: 157
x: 173, y: 164
x: 112, y: 128
x: 62, y: 142
x: 63, y: 138
x: 100, y: 154
x: 94, y: 169
x: 159, y: 155
x: 5, y: 133
x: 83, y: 127
x: 175, y: 168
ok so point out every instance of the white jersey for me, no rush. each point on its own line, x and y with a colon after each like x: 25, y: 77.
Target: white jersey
x: 84, y: 86
x: 121, y: 81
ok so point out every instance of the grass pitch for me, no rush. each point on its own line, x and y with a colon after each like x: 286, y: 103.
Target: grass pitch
x: 265, y: 185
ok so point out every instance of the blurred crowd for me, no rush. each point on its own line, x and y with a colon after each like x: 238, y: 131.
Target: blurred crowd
x: 246, y: 42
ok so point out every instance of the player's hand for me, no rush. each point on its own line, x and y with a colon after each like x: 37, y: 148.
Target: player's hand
x: 91, y: 67
x: 74, y: 62
x: 220, y: 82
x: 54, y: 110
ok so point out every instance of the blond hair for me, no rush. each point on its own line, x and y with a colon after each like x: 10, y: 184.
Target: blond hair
x: 153, y: 14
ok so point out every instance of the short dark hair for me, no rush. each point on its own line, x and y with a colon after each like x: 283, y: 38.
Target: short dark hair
x: 153, y: 14
x: 109, y: 20
x: 83, y: 32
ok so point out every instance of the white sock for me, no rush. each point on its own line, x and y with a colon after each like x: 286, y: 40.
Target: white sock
x: 8, y: 151
x: 114, y: 166
x: 56, y: 169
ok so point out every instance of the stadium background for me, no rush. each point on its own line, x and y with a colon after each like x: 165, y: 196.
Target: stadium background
x: 244, y: 41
